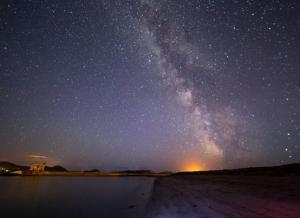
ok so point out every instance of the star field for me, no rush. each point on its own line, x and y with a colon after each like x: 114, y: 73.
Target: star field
x: 150, y: 84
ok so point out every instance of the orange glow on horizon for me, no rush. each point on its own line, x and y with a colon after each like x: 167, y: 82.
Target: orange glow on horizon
x: 192, y: 167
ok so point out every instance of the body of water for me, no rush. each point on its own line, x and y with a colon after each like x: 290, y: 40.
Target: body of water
x: 104, y: 197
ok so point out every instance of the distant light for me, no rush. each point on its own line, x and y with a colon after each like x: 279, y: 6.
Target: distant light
x: 193, y: 167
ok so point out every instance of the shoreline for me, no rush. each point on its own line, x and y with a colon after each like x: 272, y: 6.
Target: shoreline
x: 87, y: 174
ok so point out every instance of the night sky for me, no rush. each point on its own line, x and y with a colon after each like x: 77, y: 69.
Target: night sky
x: 150, y: 84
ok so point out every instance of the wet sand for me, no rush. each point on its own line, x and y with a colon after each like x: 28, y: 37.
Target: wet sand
x: 194, y: 196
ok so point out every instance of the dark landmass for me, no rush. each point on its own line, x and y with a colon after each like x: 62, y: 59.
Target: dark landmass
x: 92, y: 171
x: 8, y: 165
x: 56, y: 169
x: 283, y: 170
x: 11, y: 166
x: 136, y: 172
x: 7, y: 168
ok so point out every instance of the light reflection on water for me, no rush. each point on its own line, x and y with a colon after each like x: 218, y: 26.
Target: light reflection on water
x: 74, y: 196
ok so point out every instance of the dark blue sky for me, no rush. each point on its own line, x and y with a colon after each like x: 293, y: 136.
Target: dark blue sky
x: 150, y: 84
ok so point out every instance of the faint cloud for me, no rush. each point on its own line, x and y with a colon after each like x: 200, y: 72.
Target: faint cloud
x: 37, y: 156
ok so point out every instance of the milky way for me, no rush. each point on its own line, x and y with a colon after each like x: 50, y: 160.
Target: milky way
x: 150, y: 84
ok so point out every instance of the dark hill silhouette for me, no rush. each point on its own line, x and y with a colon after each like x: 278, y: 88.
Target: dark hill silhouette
x: 92, y: 171
x: 283, y: 170
x: 56, y: 169
x: 137, y: 171
x: 8, y: 165
x: 13, y: 167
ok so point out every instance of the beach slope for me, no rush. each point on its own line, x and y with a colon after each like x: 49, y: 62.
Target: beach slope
x: 216, y: 196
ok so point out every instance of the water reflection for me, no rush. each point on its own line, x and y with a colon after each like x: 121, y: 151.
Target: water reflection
x: 74, y: 196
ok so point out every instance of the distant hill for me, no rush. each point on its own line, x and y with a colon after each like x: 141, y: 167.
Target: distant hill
x: 136, y: 171
x: 283, y: 170
x: 9, y: 166
x: 56, y: 169
x: 92, y: 171
x: 13, y: 167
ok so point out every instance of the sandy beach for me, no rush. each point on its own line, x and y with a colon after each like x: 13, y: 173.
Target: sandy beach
x: 225, y: 196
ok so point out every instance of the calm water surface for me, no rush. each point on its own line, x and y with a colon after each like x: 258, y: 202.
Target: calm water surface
x: 103, y: 197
